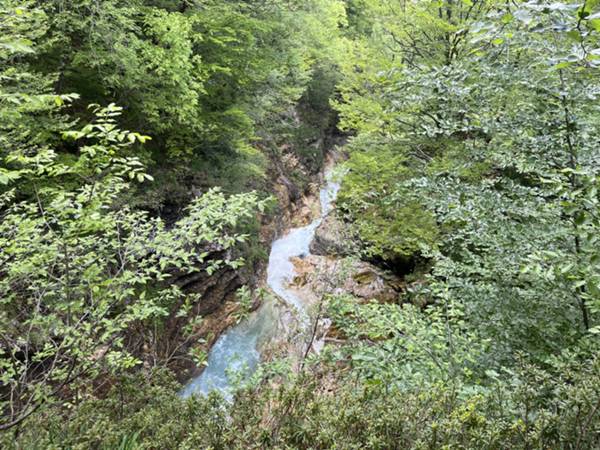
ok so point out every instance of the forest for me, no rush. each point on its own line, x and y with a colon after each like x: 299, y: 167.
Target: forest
x: 387, y: 210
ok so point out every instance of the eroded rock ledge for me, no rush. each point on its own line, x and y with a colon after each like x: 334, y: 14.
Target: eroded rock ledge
x: 318, y: 275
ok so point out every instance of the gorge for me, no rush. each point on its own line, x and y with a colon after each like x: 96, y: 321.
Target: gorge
x: 236, y: 354
x: 299, y: 224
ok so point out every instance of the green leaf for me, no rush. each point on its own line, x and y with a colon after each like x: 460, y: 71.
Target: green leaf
x: 17, y: 46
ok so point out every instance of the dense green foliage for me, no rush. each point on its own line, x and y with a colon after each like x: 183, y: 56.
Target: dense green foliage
x: 472, y: 172
x: 531, y: 408
x: 480, y: 121
x: 85, y: 278
x: 81, y: 274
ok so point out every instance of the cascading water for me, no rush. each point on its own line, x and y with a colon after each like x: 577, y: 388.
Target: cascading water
x: 235, y: 355
x: 297, y: 243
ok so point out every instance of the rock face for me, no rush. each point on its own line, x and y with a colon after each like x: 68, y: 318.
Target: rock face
x: 213, y: 290
x: 331, y: 237
x: 216, y: 294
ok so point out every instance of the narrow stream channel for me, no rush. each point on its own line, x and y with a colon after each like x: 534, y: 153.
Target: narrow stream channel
x: 235, y: 356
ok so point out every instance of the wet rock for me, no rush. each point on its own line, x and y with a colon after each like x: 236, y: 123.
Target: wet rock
x: 331, y: 237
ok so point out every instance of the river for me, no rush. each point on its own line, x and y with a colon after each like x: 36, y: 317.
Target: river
x: 236, y: 354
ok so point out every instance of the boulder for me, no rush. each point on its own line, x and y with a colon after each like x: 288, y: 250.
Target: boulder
x: 365, y: 281
x: 331, y: 237
x: 368, y: 282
